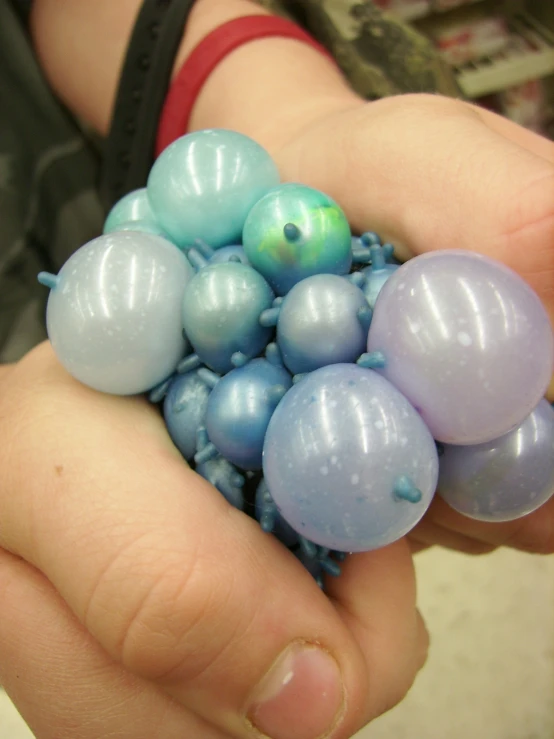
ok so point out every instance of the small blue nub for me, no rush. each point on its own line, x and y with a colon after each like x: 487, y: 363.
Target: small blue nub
x: 237, y: 480
x: 239, y: 359
x: 197, y: 260
x: 158, y: 393
x: 372, y: 360
x: 308, y: 547
x: 270, y: 317
x: 404, y: 489
x: 360, y: 254
x: 205, y: 454
x: 210, y: 378
x: 273, y: 354
x: 188, y: 364
x: 357, y: 278
x: 291, y: 232
x: 202, y: 438
x: 365, y: 315
x: 369, y: 238
x: 329, y: 566
x: 205, y: 249
x: 378, y: 257
x: 48, y: 279
x: 267, y: 515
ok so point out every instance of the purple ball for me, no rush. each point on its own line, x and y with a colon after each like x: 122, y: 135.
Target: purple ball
x: 467, y: 341
x: 335, y: 450
x: 506, y: 478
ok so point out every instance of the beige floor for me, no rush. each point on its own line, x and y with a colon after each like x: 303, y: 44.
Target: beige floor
x: 490, y: 673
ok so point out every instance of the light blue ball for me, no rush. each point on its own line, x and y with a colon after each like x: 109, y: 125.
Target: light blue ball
x: 205, y: 183
x: 114, y: 316
x: 131, y: 207
x: 319, y: 324
x: 184, y: 411
x: 336, y: 448
x: 221, y: 312
x: 239, y: 409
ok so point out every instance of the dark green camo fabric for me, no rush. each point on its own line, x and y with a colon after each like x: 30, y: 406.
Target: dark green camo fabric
x: 49, y: 167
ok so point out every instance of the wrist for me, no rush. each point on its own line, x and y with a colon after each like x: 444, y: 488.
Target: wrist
x: 269, y: 88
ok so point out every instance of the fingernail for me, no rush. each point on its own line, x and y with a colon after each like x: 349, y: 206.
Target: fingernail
x: 301, y: 697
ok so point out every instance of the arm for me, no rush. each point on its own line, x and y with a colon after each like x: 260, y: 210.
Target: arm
x: 254, y: 80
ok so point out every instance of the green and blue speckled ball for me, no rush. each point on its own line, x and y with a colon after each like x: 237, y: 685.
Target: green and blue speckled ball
x: 294, y: 232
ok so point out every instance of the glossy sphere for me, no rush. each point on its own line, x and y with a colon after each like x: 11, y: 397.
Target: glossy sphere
x: 467, y: 341
x: 134, y: 206
x: 224, y: 477
x: 503, y: 479
x: 114, y: 316
x: 204, y: 184
x: 295, y: 232
x: 319, y: 324
x: 221, y: 310
x: 239, y: 409
x: 334, y: 449
x: 184, y: 411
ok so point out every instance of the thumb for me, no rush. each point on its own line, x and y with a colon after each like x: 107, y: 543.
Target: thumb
x: 178, y: 587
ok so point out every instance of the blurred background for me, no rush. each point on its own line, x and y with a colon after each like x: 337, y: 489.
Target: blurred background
x: 502, y: 51
x: 490, y: 673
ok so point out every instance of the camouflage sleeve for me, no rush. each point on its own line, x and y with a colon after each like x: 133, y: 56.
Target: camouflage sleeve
x: 48, y: 201
x: 379, y: 55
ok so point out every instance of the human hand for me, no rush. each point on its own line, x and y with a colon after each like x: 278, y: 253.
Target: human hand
x: 137, y: 603
x: 429, y: 173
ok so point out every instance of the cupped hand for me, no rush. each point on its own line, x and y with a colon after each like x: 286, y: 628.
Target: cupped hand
x: 429, y: 173
x: 136, y: 603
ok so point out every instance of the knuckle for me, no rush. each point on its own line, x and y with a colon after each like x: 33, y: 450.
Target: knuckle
x: 179, y: 621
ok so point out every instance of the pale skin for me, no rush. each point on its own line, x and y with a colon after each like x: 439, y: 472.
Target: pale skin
x: 135, y: 602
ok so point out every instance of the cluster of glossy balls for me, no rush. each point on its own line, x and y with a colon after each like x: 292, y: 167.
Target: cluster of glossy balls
x: 290, y: 353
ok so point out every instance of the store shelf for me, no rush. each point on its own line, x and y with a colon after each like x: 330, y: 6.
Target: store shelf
x: 416, y: 11
x: 529, y: 55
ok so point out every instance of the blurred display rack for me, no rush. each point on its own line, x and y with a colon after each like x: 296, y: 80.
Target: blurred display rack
x: 529, y: 55
x: 416, y: 11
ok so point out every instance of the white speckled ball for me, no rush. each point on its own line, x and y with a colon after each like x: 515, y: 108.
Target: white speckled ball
x: 467, y: 341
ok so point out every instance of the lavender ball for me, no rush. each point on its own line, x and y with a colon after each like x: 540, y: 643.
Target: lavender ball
x: 336, y: 448
x: 467, y: 341
x: 506, y: 478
